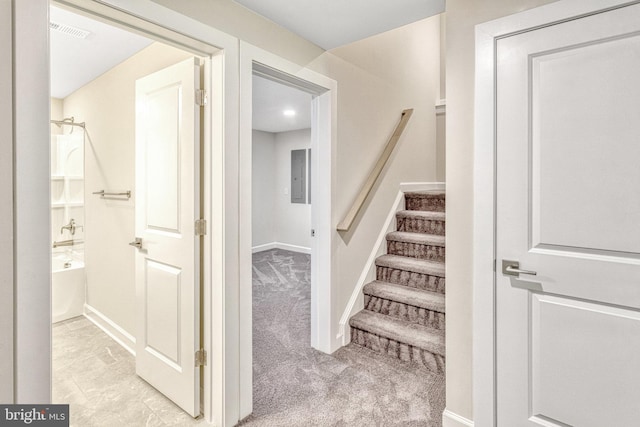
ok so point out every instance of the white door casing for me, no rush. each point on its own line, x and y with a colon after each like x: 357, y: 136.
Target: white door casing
x: 167, y: 205
x: 564, y: 149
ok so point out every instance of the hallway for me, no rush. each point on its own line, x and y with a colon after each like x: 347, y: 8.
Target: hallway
x: 294, y: 385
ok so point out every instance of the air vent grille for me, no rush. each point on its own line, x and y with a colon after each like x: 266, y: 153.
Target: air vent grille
x: 69, y: 30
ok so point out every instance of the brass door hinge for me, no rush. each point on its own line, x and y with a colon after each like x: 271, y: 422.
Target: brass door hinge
x: 201, y: 358
x: 201, y: 97
x: 201, y: 227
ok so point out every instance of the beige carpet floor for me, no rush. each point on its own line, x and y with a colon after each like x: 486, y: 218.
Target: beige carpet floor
x: 295, y: 385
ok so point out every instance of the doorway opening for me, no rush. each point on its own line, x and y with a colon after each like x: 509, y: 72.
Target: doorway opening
x: 128, y: 152
x: 319, y: 97
x: 281, y: 236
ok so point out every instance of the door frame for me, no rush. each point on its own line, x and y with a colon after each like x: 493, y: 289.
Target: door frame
x: 323, y: 145
x: 484, y: 204
x: 31, y: 250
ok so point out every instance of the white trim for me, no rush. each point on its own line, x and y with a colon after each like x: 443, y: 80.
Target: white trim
x: 323, y: 143
x: 283, y: 246
x: 484, y: 328
x: 293, y: 248
x: 111, y: 328
x: 451, y: 419
x: 264, y: 247
x: 212, y: 77
x: 368, y: 274
x: 407, y: 187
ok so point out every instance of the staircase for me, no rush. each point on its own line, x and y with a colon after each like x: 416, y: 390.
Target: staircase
x: 404, y: 308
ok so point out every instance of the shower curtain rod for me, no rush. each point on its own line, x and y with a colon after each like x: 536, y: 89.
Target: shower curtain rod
x: 62, y: 122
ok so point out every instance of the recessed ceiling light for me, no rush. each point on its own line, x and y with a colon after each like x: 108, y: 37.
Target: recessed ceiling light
x: 289, y: 113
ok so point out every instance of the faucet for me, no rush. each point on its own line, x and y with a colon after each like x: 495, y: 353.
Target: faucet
x: 71, y: 227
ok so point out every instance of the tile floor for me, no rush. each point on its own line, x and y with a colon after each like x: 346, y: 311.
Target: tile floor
x: 96, y: 376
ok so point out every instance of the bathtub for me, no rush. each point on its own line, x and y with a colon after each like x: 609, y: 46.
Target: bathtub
x: 67, y: 287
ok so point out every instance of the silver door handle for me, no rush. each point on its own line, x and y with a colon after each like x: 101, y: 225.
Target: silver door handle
x: 512, y: 268
x: 136, y: 243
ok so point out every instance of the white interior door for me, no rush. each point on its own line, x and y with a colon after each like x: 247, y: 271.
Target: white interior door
x: 568, y: 208
x: 168, y: 256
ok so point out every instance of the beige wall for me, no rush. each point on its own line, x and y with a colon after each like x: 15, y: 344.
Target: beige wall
x: 6, y: 208
x: 293, y: 220
x: 263, y: 188
x: 238, y: 21
x: 107, y: 105
x: 31, y: 205
x: 274, y: 217
x: 377, y: 78
x: 56, y: 114
x: 462, y: 16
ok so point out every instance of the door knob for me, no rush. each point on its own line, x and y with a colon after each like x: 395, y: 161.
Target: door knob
x: 137, y: 243
x: 512, y: 268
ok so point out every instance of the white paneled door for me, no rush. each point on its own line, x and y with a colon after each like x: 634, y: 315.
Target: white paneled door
x: 168, y: 250
x: 568, y: 209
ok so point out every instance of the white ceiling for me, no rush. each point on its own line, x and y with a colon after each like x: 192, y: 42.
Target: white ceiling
x: 333, y: 23
x: 75, y: 62
x: 271, y: 99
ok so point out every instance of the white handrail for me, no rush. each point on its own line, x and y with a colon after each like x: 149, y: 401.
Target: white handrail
x: 345, y: 224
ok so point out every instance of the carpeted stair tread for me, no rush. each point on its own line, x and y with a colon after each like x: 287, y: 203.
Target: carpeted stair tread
x: 414, y: 265
x: 434, y: 216
x: 419, y: 298
x: 417, y: 238
x: 429, y: 339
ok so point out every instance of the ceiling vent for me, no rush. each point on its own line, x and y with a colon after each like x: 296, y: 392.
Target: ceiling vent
x: 69, y: 30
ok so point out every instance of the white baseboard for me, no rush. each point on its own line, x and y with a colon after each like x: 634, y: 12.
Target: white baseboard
x: 265, y: 247
x: 294, y: 248
x: 110, y: 328
x: 421, y: 186
x: 283, y: 246
x: 451, y: 419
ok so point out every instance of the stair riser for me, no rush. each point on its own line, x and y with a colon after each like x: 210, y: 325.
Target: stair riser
x: 408, y: 278
x: 431, y: 204
x: 417, y: 225
x: 406, y: 312
x: 405, y: 352
x: 416, y: 250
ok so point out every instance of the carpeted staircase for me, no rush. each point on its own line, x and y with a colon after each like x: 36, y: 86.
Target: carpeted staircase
x: 404, y: 308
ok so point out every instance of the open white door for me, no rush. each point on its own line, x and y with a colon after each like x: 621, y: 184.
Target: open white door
x: 168, y: 250
x: 568, y: 223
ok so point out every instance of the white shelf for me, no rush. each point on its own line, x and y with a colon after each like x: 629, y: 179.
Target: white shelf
x: 69, y: 204
x: 62, y: 177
